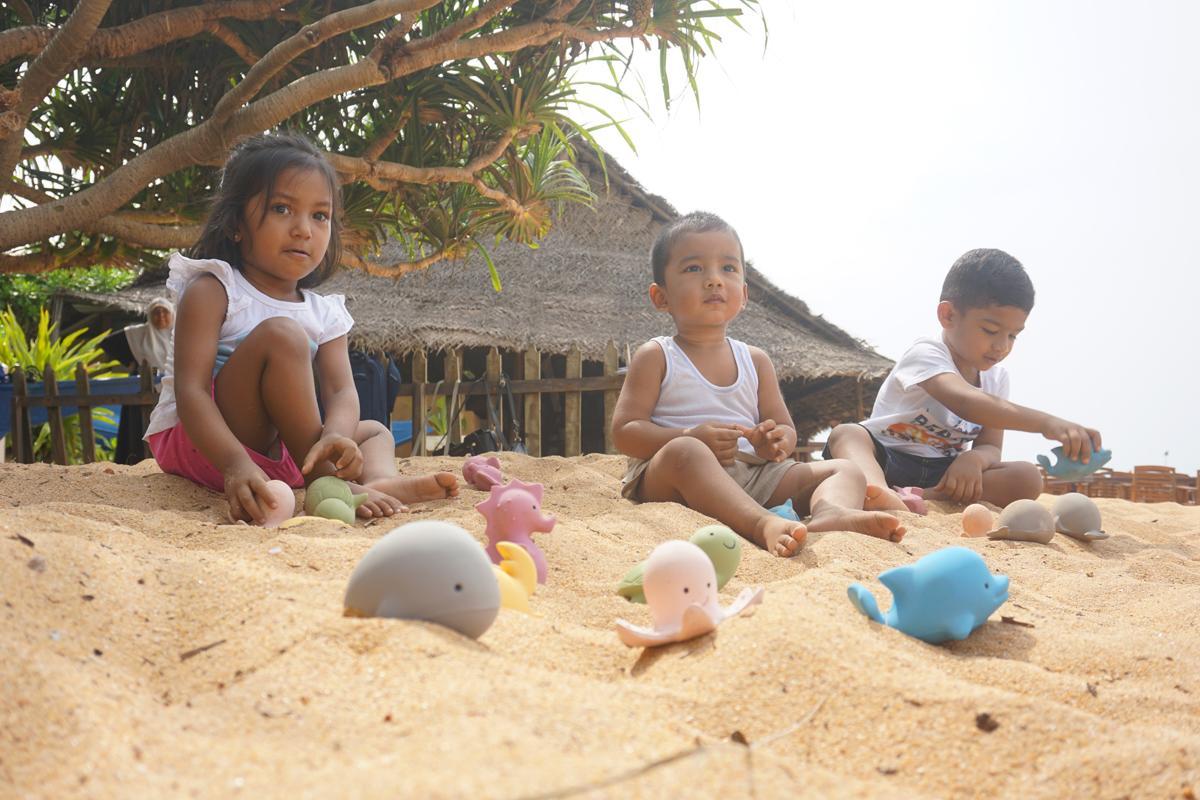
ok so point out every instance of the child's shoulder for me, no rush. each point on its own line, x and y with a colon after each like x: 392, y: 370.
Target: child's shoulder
x: 182, y: 271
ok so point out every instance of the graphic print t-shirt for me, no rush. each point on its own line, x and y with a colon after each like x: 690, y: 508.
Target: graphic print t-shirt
x: 908, y: 419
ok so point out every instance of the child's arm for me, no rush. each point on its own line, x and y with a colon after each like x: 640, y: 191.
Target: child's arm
x: 197, y: 328
x: 952, y: 391
x: 336, y: 453
x: 774, y: 437
x: 633, y: 432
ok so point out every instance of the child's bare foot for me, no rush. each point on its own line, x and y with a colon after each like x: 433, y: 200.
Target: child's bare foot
x: 778, y: 536
x: 872, y: 523
x: 881, y: 498
x: 378, y: 503
x: 418, y: 489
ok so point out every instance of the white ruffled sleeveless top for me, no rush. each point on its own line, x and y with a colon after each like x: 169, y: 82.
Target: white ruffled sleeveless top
x: 323, y: 318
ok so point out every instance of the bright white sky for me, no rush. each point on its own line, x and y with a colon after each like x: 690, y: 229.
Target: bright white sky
x: 873, y: 142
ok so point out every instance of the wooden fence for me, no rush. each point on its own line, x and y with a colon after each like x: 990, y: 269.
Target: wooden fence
x: 82, y: 399
x: 528, y: 390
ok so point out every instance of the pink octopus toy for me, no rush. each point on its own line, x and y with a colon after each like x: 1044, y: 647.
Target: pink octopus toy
x: 482, y: 472
x: 513, y: 512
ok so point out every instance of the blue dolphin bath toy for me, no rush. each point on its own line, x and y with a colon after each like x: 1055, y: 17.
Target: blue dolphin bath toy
x: 1067, y: 470
x: 945, y: 595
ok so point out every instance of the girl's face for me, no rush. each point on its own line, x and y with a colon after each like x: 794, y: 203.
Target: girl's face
x: 289, y: 242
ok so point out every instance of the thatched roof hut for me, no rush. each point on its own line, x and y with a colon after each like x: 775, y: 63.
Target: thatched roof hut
x: 586, y: 285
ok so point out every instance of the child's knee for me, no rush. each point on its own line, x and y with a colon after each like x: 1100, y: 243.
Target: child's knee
x: 1026, y: 480
x: 283, y: 335
x: 371, y: 429
x: 846, y: 433
x: 684, y: 452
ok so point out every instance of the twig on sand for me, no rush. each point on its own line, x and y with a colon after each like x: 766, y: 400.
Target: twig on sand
x: 1015, y: 621
x: 736, y: 740
x: 198, y: 650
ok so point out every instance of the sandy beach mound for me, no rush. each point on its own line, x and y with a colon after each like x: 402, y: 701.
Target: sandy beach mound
x: 147, y: 648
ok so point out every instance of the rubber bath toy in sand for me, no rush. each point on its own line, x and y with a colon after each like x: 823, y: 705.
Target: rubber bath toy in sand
x: 429, y: 570
x: 1024, y: 521
x: 285, y: 504
x: 913, y: 498
x: 977, y: 520
x: 786, y: 510
x: 513, y: 512
x: 331, y: 498
x: 1067, y: 470
x: 1077, y: 515
x: 482, y: 472
x: 516, y: 576
x: 681, y: 590
x: 722, y: 546
x: 945, y: 595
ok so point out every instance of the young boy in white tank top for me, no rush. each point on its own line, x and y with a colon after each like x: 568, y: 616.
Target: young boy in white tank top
x: 702, y: 418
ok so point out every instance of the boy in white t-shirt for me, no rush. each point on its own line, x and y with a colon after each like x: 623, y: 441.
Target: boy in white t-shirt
x: 702, y: 418
x: 950, y: 392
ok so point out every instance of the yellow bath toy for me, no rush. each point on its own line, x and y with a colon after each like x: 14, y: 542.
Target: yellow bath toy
x: 517, y: 576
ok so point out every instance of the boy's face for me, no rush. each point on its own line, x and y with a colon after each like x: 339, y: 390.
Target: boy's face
x: 981, y: 337
x: 705, y: 280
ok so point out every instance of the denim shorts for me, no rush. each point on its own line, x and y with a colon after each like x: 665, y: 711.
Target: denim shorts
x: 905, y: 469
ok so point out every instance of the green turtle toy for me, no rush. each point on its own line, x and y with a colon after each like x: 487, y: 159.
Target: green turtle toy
x: 331, y: 498
x: 722, y: 546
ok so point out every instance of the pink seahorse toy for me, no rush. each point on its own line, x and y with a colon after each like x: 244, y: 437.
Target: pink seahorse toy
x: 482, y: 472
x: 513, y: 512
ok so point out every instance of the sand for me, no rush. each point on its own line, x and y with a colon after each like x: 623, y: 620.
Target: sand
x: 114, y: 579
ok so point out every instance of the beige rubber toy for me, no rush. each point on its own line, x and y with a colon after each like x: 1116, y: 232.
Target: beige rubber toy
x: 1076, y: 515
x: 1024, y: 521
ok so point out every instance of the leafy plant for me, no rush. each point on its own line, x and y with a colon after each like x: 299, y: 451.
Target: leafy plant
x: 62, y: 355
x: 26, y: 294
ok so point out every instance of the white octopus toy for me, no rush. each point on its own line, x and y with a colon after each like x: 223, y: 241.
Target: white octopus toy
x: 680, y: 584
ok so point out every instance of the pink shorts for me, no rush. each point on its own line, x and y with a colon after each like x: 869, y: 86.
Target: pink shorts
x: 177, y: 455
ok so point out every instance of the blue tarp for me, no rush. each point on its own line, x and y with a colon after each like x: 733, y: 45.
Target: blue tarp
x: 37, y: 416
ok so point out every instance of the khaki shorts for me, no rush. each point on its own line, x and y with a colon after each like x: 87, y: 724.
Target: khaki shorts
x: 757, y: 476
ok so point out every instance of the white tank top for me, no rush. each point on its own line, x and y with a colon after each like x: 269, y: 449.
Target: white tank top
x: 686, y: 398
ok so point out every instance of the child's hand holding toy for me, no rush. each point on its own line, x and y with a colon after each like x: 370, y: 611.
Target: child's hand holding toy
x: 768, y: 439
x: 1078, y: 442
x: 720, y: 437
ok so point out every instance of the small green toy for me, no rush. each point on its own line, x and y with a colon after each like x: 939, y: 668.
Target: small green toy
x: 331, y: 498
x: 722, y: 546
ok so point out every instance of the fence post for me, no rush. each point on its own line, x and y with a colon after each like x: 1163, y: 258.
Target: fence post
x: 87, y: 432
x: 612, y: 361
x: 571, y: 408
x: 453, y: 361
x: 420, y: 413
x: 58, y: 438
x: 22, y: 429
x: 533, y: 404
x: 494, y: 368
x: 145, y: 388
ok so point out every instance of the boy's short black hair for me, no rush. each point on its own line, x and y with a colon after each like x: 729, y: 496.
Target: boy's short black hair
x: 988, y: 277
x: 695, y: 222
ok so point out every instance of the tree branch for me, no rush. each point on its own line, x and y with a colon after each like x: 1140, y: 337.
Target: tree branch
x: 46, y: 70
x: 382, y: 142
x: 396, y: 268
x: 146, y: 234
x: 307, y: 38
x: 209, y: 141
x: 233, y: 42
x: 140, y: 35
x: 486, y: 13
